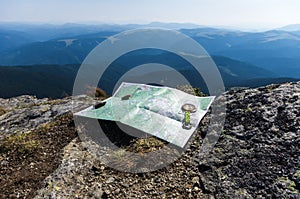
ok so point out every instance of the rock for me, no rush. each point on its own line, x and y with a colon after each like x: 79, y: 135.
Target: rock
x: 107, y: 192
x: 117, y: 191
x: 26, y: 113
x: 207, y: 184
x: 110, y: 180
x: 125, y: 185
x: 195, y: 180
x: 289, y: 136
x: 256, y: 156
x: 4, y: 163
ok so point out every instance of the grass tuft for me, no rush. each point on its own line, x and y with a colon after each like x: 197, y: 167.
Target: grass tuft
x: 198, y: 92
x: 144, y: 145
x: 22, y: 143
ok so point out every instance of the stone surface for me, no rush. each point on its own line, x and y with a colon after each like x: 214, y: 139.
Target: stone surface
x: 25, y: 113
x: 257, y: 154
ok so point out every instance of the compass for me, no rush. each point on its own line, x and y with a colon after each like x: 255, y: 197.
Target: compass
x: 189, y: 107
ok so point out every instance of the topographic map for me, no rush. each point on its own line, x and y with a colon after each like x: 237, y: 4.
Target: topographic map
x: 155, y: 110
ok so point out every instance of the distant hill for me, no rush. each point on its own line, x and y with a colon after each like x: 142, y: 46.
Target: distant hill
x: 62, y: 51
x: 174, y: 26
x: 52, y: 81
x: 9, y: 40
x: 56, y: 81
x: 277, y: 51
x: 235, y: 72
x: 291, y: 27
x: 45, y: 32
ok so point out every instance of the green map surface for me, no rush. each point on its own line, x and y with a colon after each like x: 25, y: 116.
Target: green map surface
x: 153, y: 110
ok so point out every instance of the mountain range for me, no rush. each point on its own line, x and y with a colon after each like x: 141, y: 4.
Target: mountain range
x: 246, y: 59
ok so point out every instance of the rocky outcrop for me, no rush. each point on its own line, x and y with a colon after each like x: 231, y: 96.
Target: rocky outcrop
x: 25, y: 113
x: 32, y: 135
x: 256, y: 156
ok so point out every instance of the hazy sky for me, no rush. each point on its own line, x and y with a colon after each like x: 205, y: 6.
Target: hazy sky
x: 236, y: 13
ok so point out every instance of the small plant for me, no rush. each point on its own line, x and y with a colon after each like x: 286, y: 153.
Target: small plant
x: 198, y: 92
x: 46, y: 126
x: 119, y: 154
x: 249, y: 109
x: 271, y: 87
x: 289, y: 184
x: 2, y: 111
x: 148, y: 144
x: 297, y: 174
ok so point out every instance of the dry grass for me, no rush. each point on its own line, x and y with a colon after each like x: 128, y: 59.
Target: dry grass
x: 145, y: 145
x: 96, y: 92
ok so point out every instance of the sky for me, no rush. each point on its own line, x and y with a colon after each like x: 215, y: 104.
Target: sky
x: 253, y: 14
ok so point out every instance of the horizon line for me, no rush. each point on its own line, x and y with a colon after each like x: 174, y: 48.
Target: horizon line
x: 228, y: 27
